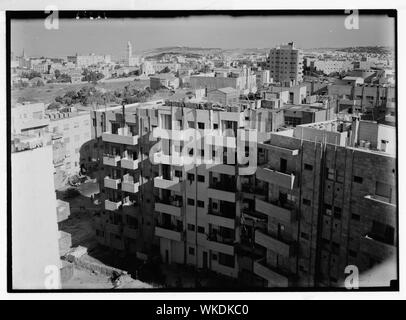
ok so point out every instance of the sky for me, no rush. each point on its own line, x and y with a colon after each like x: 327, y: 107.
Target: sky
x: 110, y: 36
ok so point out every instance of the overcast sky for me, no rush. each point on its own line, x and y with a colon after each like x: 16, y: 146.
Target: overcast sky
x: 110, y: 36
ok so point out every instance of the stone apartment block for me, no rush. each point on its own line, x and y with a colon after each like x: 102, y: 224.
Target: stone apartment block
x: 286, y: 64
x: 320, y: 197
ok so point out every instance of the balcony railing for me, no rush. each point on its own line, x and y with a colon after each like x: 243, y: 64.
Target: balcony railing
x: 129, y: 163
x: 168, y: 231
x: 284, y: 213
x: 173, y: 184
x: 111, y: 160
x: 275, y: 244
x: 129, y: 185
x: 223, y: 220
x: 222, y: 191
x: 222, y: 244
x: 112, y: 205
x: 123, y: 136
x: 286, y: 180
x: 111, y: 183
x: 274, y: 278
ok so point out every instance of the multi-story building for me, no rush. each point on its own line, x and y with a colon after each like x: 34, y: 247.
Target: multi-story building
x: 286, y: 64
x: 92, y: 59
x: 329, y: 202
x: 301, y: 208
x: 73, y: 130
x: 241, y: 79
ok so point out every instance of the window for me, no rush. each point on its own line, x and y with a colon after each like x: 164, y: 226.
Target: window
x: 214, y: 256
x: 328, y: 209
x: 215, y: 126
x: 178, y: 173
x: 191, y: 124
x: 307, y: 202
x: 355, y: 217
x: 191, y: 251
x: 200, y: 203
x: 191, y: 227
x: 358, y: 179
x: 200, y: 229
x: 339, y: 176
x: 304, y: 235
x: 330, y: 174
x: 337, y: 213
x: 214, y: 206
x: 308, y: 167
x: 190, y: 202
x: 335, y: 248
x: 200, y: 178
x: 200, y: 125
x: 191, y: 177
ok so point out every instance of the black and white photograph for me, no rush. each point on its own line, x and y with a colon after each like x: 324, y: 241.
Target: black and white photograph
x: 202, y: 151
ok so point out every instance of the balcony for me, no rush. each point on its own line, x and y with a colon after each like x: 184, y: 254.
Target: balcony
x: 123, y: 136
x: 221, y: 191
x: 218, y: 220
x: 280, y: 150
x: 174, y: 160
x: 112, y: 205
x: 113, y: 228
x: 130, y: 185
x: 281, y: 179
x: 221, y: 168
x: 173, y: 184
x: 376, y: 248
x: 130, y: 232
x: 128, y: 163
x: 275, y: 211
x: 62, y: 210
x: 220, y: 244
x: 170, y: 134
x: 173, y: 208
x: 110, y: 160
x: 111, y: 183
x: 274, y: 278
x: 273, y: 244
x: 168, y: 232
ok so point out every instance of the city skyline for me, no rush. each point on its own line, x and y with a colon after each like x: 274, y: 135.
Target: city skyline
x: 203, y: 32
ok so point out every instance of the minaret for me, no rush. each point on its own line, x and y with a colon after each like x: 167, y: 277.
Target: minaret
x: 129, y: 53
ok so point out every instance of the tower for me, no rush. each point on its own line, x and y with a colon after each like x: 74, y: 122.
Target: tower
x: 129, y: 53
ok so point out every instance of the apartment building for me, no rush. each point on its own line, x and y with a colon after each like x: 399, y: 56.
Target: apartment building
x: 244, y: 80
x: 329, y: 201
x: 374, y: 101
x: 126, y: 223
x: 286, y: 64
x: 306, y: 205
x: 197, y: 204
